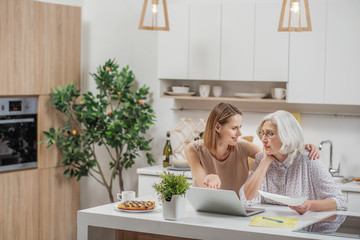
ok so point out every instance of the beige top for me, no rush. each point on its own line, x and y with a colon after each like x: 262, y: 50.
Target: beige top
x: 233, y: 171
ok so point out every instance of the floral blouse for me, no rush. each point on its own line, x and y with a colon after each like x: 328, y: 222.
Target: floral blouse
x: 303, y: 177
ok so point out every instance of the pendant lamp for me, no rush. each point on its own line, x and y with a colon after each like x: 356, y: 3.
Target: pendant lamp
x: 295, y: 15
x: 154, y: 16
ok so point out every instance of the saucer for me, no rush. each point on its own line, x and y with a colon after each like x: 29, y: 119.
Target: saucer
x: 180, y: 94
x: 250, y: 95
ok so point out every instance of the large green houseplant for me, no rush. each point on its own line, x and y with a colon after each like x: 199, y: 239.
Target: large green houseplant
x: 116, y: 118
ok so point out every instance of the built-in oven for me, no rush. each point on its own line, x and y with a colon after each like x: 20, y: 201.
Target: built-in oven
x: 18, y: 133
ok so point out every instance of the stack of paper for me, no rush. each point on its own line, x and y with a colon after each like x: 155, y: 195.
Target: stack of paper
x: 271, y: 221
x: 283, y: 199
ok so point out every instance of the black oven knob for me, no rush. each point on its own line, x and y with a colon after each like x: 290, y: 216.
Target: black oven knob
x: 2, y: 108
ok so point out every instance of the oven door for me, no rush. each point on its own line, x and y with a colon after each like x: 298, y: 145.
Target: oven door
x: 18, y: 142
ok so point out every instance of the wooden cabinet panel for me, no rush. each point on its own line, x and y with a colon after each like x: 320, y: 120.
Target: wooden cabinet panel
x: 237, y: 40
x: 173, y: 45
x: 204, y: 43
x: 59, y: 203
x: 343, y: 52
x: 271, y: 46
x: 19, y: 205
x: 48, y: 117
x: 16, y: 48
x: 57, y: 38
x: 307, y: 59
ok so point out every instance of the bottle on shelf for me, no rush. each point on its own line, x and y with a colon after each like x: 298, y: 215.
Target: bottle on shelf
x: 167, y: 154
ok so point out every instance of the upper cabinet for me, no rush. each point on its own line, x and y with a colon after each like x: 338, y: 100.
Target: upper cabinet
x: 224, y: 40
x: 237, y: 42
x: 307, y: 59
x: 173, y: 45
x: 204, y: 40
x: 343, y: 52
x: 40, y: 47
x: 271, y: 46
x: 16, y: 48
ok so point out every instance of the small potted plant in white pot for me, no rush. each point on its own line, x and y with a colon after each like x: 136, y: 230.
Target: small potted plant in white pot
x: 171, y: 191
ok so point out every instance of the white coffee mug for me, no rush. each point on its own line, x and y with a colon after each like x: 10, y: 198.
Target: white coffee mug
x: 217, y: 91
x: 204, y: 90
x: 278, y: 93
x: 126, y: 196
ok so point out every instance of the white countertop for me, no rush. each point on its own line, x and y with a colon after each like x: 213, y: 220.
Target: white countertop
x: 199, y: 225
x: 156, y: 170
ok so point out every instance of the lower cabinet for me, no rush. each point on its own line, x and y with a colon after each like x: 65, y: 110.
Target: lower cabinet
x: 38, y: 204
x: 353, y: 201
x: 19, y: 205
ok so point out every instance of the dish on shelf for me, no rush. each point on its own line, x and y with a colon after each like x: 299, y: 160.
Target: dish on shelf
x: 179, y: 169
x: 180, y: 94
x: 156, y: 208
x: 250, y: 95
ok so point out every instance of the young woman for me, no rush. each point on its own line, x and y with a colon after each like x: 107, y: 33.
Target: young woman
x: 283, y: 167
x: 219, y: 160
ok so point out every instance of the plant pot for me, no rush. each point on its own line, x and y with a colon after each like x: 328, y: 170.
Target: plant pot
x: 174, y: 209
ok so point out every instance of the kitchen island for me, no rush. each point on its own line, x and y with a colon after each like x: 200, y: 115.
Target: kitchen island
x: 198, y: 225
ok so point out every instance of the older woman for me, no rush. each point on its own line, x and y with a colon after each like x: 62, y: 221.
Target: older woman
x: 283, y: 167
x: 219, y: 160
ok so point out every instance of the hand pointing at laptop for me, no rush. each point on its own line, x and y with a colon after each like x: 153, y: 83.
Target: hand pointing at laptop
x: 212, y: 181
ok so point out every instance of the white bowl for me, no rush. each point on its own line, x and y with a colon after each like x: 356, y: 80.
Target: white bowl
x: 180, y: 163
x: 180, y: 89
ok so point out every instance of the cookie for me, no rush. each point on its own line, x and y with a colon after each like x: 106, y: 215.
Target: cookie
x: 137, y: 205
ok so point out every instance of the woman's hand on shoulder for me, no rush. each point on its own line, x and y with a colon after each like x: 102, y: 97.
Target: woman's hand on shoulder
x: 253, y: 149
x: 313, y: 151
x: 212, y: 181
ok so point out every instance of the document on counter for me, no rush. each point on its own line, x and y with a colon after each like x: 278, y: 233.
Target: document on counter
x: 283, y: 199
x: 273, y: 221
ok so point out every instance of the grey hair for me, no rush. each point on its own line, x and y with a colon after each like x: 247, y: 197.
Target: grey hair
x: 289, y: 131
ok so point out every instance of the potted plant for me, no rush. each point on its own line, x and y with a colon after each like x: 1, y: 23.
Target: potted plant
x: 171, y: 191
x: 116, y: 118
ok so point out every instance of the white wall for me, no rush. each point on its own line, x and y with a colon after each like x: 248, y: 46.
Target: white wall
x: 110, y: 30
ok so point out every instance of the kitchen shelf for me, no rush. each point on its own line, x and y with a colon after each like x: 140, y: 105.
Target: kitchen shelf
x: 226, y: 99
x: 263, y: 105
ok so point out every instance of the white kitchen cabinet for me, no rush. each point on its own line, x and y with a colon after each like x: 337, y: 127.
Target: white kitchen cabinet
x: 146, y: 182
x: 237, y: 40
x: 148, y: 176
x: 173, y: 45
x: 271, y: 47
x: 307, y: 59
x: 343, y: 52
x: 204, y: 40
x: 353, y: 201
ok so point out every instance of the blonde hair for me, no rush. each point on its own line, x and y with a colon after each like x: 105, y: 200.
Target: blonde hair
x: 289, y: 131
x: 219, y: 114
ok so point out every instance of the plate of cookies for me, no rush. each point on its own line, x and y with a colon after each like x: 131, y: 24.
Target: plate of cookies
x: 137, y: 206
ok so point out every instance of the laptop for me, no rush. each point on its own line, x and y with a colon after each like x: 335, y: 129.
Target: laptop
x: 219, y: 201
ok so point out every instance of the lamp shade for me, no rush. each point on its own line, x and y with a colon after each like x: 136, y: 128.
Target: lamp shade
x: 154, y: 15
x: 295, y: 16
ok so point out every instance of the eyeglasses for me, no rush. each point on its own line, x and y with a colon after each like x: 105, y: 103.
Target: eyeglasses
x: 268, y: 135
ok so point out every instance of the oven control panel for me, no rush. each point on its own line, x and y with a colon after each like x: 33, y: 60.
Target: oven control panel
x: 18, y: 106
